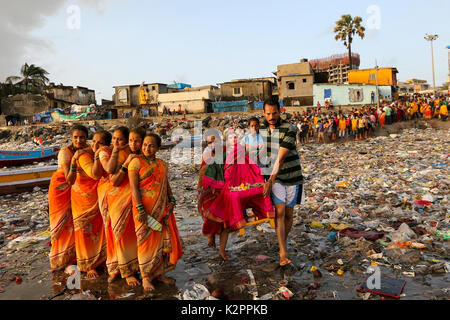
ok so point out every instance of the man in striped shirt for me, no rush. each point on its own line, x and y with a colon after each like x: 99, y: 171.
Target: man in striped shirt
x: 283, y: 172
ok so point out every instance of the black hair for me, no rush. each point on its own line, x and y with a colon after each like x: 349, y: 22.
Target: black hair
x: 272, y: 101
x: 253, y: 119
x: 80, y: 128
x: 157, y: 138
x: 125, y: 132
x: 106, y: 136
x: 140, y: 131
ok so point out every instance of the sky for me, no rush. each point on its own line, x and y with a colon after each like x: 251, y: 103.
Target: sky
x: 104, y: 43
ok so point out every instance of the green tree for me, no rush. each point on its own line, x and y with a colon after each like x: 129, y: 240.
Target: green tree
x: 30, y: 76
x: 346, y: 29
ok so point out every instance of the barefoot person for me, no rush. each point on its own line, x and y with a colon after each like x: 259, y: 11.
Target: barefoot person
x: 90, y: 242
x: 62, y: 252
x: 126, y: 146
x: 241, y: 184
x: 159, y: 244
x: 101, y: 146
x: 285, y: 179
x: 206, y: 196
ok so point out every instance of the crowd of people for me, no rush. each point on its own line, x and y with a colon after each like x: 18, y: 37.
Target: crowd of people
x: 111, y: 204
x: 360, y: 123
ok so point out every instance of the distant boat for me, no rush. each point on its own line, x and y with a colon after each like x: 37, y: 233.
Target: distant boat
x: 13, y: 158
x: 17, y: 181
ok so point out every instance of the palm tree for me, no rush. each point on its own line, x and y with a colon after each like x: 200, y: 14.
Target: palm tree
x: 346, y: 29
x: 30, y: 75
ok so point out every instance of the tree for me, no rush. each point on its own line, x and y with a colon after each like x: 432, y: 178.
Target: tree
x: 30, y: 75
x: 346, y: 29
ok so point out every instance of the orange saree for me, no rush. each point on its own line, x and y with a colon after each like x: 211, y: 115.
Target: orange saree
x: 103, y: 189
x: 88, y: 223
x: 158, y: 251
x: 122, y: 225
x: 62, y: 252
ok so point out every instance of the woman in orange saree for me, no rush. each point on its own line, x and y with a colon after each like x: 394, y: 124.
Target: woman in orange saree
x: 120, y: 224
x: 382, y: 119
x: 62, y: 252
x: 159, y: 243
x: 90, y: 239
x: 100, y: 171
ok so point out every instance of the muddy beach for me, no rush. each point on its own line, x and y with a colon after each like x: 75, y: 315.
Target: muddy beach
x: 394, y: 186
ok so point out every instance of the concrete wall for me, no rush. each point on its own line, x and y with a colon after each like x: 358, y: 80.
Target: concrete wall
x: 251, y: 90
x: 340, y: 94
x: 193, y: 101
x: 78, y: 95
x: 24, y: 104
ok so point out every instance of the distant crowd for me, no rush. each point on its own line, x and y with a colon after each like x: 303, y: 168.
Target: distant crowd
x: 360, y: 123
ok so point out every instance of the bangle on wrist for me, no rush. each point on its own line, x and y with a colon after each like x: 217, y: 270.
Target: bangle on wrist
x: 124, y: 169
x: 96, y: 158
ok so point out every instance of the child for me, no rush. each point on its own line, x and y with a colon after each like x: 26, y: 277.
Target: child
x: 253, y: 142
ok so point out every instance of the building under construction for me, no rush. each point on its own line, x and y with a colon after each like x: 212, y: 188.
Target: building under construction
x: 337, y: 66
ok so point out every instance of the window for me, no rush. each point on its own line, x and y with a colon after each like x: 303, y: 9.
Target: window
x: 237, y: 91
x: 290, y: 85
x: 153, y: 88
x: 372, y: 76
x: 304, y: 80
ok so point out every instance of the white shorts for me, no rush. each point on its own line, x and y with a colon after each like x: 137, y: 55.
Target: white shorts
x: 289, y: 195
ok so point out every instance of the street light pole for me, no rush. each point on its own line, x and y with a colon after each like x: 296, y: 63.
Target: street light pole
x: 432, y: 38
x: 378, y: 91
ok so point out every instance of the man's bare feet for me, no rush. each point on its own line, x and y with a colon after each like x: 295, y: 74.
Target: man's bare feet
x: 147, y: 284
x: 166, y: 280
x: 92, y: 274
x: 284, y: 261
x: 212, y: 242
x: 132, y: 281
x: 224, y: 255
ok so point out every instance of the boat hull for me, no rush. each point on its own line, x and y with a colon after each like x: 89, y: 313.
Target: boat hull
x: 15, y: 158
x: 18, y: 181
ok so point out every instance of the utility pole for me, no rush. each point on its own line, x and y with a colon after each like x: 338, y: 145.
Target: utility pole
x: 378, y: 91
x: 432, y: 38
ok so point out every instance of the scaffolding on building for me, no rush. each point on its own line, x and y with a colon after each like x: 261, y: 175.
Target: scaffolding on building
x: 337, y: 66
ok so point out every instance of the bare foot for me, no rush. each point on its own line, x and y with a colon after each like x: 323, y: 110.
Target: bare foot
x: 147, y: 284
x: 132, y: 281
x: 113, y: 277
x: 92, y: 274
x: 212, y: 242
x: 224, y: 255
x: 285, y: 261
x: 166, y: 280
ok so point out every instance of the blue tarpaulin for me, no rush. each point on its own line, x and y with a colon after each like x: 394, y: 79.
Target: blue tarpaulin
x: 44, y: 117
x: 327, y: 93
x: 230, y: 106
x: 260, y: 104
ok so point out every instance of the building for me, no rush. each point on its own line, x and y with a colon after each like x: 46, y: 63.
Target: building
x: 350, y: 94
x: 257, y: 89
x: 295, y: 83
x: 336, y: 67
x: 405, y: 88
x: 127, y: 98
x: 193, y: 101
x: 63, y: 97
x: 419, y: 85
x: 386, y: 76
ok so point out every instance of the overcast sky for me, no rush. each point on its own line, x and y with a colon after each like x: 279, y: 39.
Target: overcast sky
x: 103, y: 43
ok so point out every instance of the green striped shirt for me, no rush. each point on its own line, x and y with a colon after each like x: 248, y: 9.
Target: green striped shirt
x: 284, y: 136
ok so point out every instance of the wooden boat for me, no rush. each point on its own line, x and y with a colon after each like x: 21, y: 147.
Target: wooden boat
x: 13, y: 158
x: 17, y: 181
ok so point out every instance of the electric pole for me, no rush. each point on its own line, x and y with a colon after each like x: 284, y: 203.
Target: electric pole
x: 432, y: 38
